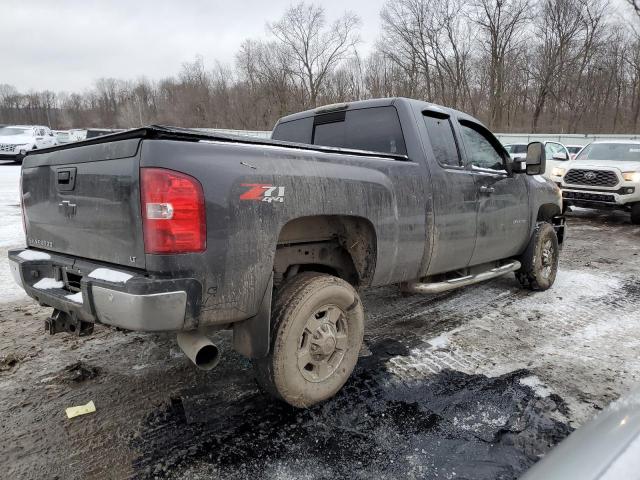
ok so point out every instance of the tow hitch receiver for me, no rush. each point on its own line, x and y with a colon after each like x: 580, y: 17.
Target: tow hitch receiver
x: 64, y: 322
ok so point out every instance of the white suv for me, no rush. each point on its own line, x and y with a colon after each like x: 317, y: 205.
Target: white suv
x: 17, y: 140
x: 557, y: 154
x: 605, y: 174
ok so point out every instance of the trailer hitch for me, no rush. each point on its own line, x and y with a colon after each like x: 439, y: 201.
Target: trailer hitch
x: 60, y: 321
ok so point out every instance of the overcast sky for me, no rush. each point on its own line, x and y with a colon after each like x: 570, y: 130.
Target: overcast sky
x: 64, y: 45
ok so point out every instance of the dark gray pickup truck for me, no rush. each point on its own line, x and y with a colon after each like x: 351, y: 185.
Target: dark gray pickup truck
x: 166, y: 229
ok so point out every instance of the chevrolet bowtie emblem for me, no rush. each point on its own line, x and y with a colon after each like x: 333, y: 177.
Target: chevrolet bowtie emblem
x: 68, y: 208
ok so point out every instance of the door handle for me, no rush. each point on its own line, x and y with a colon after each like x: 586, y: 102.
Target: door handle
x: 487, y: 190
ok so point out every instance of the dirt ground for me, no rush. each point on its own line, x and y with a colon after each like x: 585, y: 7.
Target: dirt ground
x: 478, y: 383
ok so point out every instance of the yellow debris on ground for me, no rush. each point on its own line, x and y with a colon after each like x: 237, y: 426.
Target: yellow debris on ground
x: 80, y: 410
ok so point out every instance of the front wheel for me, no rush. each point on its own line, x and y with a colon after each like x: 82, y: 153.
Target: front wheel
x: 317, y: 330
x: 540, y: 259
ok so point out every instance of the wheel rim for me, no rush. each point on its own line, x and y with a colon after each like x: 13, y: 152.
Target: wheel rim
x: 323, y: 343
x: 548, y: 257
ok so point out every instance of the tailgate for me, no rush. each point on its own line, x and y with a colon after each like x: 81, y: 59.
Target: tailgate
x: 85, y: 201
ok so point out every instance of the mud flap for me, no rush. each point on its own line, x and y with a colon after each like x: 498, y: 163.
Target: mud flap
x: 251, y: 337
x: 559, y: 225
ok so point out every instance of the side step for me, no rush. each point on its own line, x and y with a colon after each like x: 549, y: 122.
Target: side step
x: 439, y: 287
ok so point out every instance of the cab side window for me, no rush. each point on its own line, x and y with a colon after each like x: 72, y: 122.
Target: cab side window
x: 480, y: 150
x: 442, y: 139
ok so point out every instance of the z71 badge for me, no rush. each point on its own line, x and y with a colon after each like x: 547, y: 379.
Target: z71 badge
x: 260, y: 192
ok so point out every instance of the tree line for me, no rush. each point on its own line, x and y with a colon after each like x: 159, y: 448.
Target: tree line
x: 561, y: 66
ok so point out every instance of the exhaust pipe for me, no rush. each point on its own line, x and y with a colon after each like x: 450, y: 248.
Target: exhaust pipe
x: 199, y: 349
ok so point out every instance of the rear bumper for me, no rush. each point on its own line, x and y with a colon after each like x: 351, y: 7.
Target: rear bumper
x: 113, y: 296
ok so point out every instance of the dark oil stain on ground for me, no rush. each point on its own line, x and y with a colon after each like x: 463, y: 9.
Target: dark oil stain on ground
x: 451, y: 425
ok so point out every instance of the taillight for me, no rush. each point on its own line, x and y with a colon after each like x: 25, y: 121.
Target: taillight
x: 173, y: 212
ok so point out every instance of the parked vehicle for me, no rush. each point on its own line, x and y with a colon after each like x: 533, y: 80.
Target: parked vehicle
x: 556, y: 153
x: 605, y: 174
x: 98, y: 132
x: 17, y: 140
x: 65, y: 136
x: 606, y: 448
x: 166, y: 229
x: 78, y: 133
x: 574, y: 150
x: 517, y: 150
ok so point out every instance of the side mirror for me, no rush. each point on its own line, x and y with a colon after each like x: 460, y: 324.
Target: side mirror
x: 560, y: 156
x: 536, y: 159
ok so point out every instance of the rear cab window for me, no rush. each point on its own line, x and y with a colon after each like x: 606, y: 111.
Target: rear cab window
x: 375, y: 129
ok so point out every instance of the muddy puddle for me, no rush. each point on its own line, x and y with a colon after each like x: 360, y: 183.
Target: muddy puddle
x: 452, y: 425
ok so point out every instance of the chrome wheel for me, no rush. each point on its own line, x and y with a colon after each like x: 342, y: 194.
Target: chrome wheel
x: 323, y: 343
x: 548, y: 257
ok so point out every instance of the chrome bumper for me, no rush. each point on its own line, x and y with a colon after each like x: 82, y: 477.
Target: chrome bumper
x: 140, y: 304
x: 161, y: 311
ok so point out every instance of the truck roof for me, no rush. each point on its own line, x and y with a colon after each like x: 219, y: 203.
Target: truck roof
x: 377, y: 102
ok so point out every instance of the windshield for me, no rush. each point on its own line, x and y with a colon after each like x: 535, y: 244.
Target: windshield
x: 574, y: 149
x: 626, y: 152
x: 516, y: 148
x: 8, y: 131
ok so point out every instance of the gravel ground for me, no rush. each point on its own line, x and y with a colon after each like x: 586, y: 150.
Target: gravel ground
x: 477, y: 383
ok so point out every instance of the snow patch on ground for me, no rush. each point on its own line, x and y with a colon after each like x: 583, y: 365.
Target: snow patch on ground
x: 110, y: 275
x: 11, y: 232
x: 34, y: 255
x: 626, y: 402
x: 536, y: 385
x: 48, y: 284
x: 76, y: 297
x: 440, y: 342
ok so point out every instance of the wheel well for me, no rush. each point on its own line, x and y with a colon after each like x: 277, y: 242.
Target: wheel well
x: 344, y: 246
x: 547, y: 211
x: 550, y: 212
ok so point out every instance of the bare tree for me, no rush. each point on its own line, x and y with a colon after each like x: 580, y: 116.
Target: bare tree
x: 503, y: 27
x: 635, y: 4
x: 429, y: 40
x: 315, y: 50
x: 561, y: 29
x: 574, y: 68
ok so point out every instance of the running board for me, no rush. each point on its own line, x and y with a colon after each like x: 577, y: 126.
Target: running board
x: 439, y: 287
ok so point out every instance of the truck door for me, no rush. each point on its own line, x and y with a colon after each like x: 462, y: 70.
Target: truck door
x: 455, y: 197
x: 503, y: 200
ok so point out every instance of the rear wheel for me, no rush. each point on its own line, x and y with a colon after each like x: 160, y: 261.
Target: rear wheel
x: 635, y: 213
x: 540, y: 259
x: 317, y: 330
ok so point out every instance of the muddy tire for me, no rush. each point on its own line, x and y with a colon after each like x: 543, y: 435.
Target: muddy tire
x: 317, y: 325
x: 635, y: 213
x: 540, y: 259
